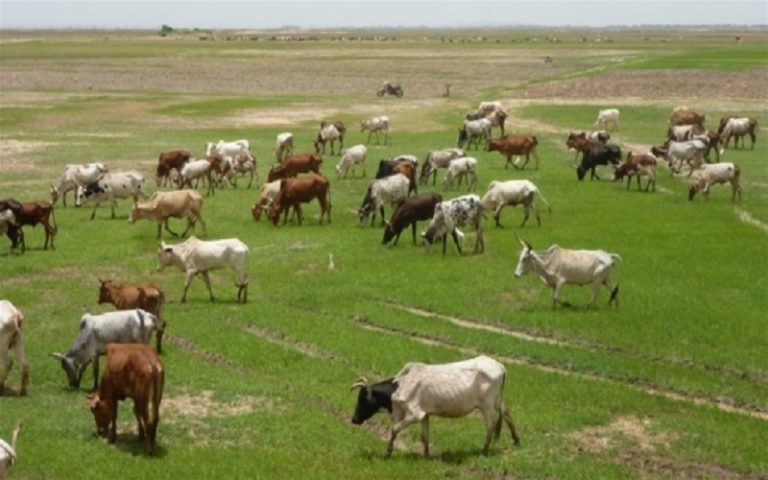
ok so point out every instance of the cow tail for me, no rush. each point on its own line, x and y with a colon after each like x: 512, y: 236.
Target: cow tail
x: 156, y: 396
x: 549, y: 209
x: 53, y: 219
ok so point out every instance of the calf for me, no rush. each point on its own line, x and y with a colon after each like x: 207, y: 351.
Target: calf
x: 599, y: 155
x: 283, y: 146
x: 459, y: 168
x: 413, y: 209
x: 196, y: 256
x: 76, y: 176
x: 392, y: 189
x: 510, y: 145
x: 11, y: 338
x: 239, y: 164
x: 168, y: 161
x: 350, y: 157
x: 609, y: 115
x: 512, y: 192
x: 438, y: 159
x: 267, y: 196
x: 163, y: 206
x: 96, y: 331
x: 473, y: 132
x: 295, y: 191
x: 558, y: 266
x: 294, y: 165
x: 715, y: 173
x: 451, y: 214
x: 130, y: 296
x: 111, y: 187
x: 376, y: 125
x: 30, y: 213
x: 451, y: 390
x: 132, y: 371
x: 196, y: 170
x: 637, y: 165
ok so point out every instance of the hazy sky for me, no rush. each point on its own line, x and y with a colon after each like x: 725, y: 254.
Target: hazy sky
x: 369, y: 13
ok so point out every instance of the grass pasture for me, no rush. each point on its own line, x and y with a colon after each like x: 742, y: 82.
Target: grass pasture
x: 673, y: 384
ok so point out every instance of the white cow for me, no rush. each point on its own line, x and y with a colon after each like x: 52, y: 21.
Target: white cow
x: 488, y: 107
x: 76, y: 176
x: 376, y: 125
x: 604, y: 117
x: 452, y: 214
x: 512, y: 192
x: 283, y: 145
x: 392, y: 189
x: 350, y: 157
x: 473, y: 131
x: 558, y: 266
x: 712, y: 174
x: 450, y: 390
x: 459, y: 168
x: 690, y: 152
x: 239, y: 164
x: 196, y: 170
x: 231, y: 149
x: 96, y: 331
x: 111, y: 187
x: 8, y: 451
x: 329, y: 132
x: 196, y: 256
x: 737, y: 127
x: 11, y: 337
x: 438, y: 159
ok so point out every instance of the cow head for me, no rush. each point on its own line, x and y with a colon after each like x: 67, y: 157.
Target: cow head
x: 525, y: 262
x: 463, y: 137
x: 72, y: 368
x: 105, y: 294
x: 437, y: 227
x: 101, y: 413
x: 372, y: 398
x: 54, y: 193
x: 694, y: 186
x: 164, y: 256
x: 389, y: 233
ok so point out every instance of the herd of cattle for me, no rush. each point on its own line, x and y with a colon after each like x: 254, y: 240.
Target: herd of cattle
x: 135, y: 370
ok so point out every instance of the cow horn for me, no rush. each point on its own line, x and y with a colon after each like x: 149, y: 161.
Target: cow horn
x: 361, y: 382
x: 57, y: 356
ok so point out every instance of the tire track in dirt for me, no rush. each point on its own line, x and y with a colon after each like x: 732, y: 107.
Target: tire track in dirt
x: 653, y: 390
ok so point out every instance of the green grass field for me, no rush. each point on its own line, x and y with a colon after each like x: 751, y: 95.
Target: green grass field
x: 673, y: 384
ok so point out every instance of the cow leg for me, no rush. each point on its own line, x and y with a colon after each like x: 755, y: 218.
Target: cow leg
x: 510, y: 423
x: 113, y: 204
x: 556, y: 292
x: 497, y: 215
x: 381, y: 210
x: 140, y: 411
x: 187, y: 281
x: 207, y: 280
x: 5, y: 367
x: 480, y: 241
x: 526, y: 214
x: 492, y: 424
x: 22, y: 358
x: 456, y: 241
x: 425, y: 435
x: 614, y: 291
x: 167, y: 229
x: 112, y: 435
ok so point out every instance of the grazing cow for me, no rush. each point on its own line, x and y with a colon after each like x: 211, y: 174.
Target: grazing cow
x: 609, y: 115
x: 557, y: 266
x: 512, y: 192
x: 376, y: 125
x: 239, y: 164
x: 405, y: 164
x: 132, y: 371
x: 30, y: 213
x: 438, y: 159
x: 196, y: 170
x: 599, y: 155
x: 686, y: 116
x: 450, y: 390
x: 11, y: 338
x: 283, y: 146
x: 129, y: 296
x: 581, y: 142
x: 392, y: 189
x: 459, y: 168
x: 413, y: 209
x: 267, y: 197
x: 165, y: 205
x: 96, y: 331
x: 350, y: 157
x: 229, y: 149
x: 8, y: 451
x: 715, y: 173
x: 510, y: 145
x: 675, y: 153
x: 295, y: 191
x: 195, y: 256
x: 472, y: 132
x: 168, y: 161
x: 294, y: 165
x: 389, y: 88
x: 737, y: 128
x: 637, y: 165
x: 9, y: 226
x: 112, y: 186
x: 451, y: 214
x: 328, y: 133
x: 76, y: 176
x: 681, y: 133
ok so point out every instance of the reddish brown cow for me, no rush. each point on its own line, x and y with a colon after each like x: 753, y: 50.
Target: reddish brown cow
x: 294, y: 165
x: 637, y: 164
x: 128, y: 296
x: 580, y: 142
x: 686, y: 116
x: 304, y: 189
x: 133, y: 371
x: 510, y: 145
x: 30, y: 213
x: 167, y: 162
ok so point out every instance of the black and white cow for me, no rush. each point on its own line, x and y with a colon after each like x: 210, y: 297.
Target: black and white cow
x: 111, y: 187
x: 598, y: 155
x: 450, y: 215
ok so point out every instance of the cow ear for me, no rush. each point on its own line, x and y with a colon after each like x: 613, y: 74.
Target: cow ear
x: 168, y: 249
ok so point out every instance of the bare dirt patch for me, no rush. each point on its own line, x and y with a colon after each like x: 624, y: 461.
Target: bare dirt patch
x: 203, y: 405
x: 603, y: 437
x: 14, y: 152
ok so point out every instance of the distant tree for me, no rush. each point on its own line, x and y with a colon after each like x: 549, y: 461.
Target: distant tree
x: 165, y: 30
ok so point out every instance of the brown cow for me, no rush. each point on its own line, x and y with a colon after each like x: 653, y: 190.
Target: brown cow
x: 30, y: 213
x: 581, y: 142
x: 128, y: 296
x: 515, y: 145
x: 304, y: 189
x: 740, y: 127
x: 164, y: 205
x: 167, y: 162
x: 133, y: 370
x: 294, y: 165
x: 637, y: 164
x: 686, y: 116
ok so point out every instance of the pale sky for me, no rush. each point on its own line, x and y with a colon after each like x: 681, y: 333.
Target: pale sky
x: 151, y: 14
